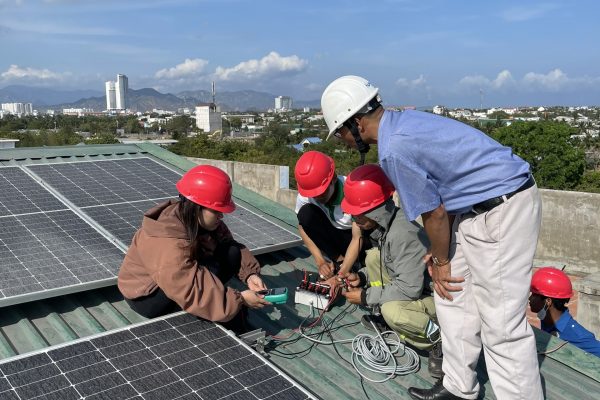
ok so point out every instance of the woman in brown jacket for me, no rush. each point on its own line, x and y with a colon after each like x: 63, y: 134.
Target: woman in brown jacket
x: 183, y: 255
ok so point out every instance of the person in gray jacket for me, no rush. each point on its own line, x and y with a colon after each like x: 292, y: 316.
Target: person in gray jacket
x: 394, y: 276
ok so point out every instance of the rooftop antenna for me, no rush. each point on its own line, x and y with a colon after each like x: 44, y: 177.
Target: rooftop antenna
x: 480, y: 99
x: 213, y: 92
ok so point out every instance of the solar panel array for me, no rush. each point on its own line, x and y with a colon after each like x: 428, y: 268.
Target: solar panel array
x: 43, y: 244
x: 48, y: 245
x: 176, y: 357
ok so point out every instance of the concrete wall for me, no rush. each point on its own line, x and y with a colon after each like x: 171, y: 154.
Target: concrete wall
x: 271, y: 181
x: 570, y: 230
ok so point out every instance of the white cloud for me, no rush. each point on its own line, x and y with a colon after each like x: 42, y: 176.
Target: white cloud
x: 554, y: 81
x: 270, y: 66
x: 503, y: 80
x: 186, y: 69
x: 16, y: 73
x: 529, y: 12
x: 419, y: 82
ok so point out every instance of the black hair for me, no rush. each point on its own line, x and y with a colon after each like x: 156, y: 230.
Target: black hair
x: 560, y: 304
x: 189, y: 214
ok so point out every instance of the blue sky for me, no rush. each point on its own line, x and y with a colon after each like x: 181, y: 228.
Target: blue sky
x: 417, y: 52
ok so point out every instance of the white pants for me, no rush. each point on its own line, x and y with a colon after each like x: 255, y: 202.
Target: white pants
x: 494, y: 252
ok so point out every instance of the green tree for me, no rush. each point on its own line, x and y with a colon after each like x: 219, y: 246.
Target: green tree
x: 590, y: 182
x: 556, y: 162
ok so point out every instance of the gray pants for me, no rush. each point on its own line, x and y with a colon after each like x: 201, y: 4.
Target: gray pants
x: 494, y: 252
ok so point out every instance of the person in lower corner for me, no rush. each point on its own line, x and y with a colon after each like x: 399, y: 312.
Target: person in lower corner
x: 551, y: 290
x: 323, y: 226
x: 184, y: 254
x: 395, y: 270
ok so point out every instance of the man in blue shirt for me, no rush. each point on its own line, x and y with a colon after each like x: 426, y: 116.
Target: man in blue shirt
x: 481, y: 210
x: 551, y: 290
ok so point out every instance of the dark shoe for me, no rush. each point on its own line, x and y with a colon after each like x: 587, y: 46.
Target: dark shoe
x: 434, y: 362
x: 378, y: 320
x: 437, y: 392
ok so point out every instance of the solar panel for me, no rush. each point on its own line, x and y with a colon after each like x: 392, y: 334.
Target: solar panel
x: 44, y: 246
x: 115, y: 193
x: 103, y: 182
x: 121, y: 220
x: 20, y: 194
x: 174, y: 357
x: 257, y: 233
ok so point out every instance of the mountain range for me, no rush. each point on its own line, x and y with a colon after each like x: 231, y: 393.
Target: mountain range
x: 142, y: 99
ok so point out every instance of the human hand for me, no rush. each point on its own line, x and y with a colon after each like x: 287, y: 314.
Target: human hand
x: 326, y: 270
x: 353, y: 295
x: 353, y: 280
x: 253, y: 300
x: 255, y: 283
x: 442, y: 279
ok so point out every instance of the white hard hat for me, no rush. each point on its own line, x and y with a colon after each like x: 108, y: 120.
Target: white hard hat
x: 343, y: 98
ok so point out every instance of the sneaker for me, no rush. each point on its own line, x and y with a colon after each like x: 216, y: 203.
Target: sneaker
x: 378, y: 320
x: 435, y: 360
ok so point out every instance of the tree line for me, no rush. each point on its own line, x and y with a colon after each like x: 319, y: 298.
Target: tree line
x: 558, y: 159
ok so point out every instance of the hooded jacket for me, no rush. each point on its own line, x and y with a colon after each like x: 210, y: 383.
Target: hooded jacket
x: 402, y: 245
x: 159, y: 257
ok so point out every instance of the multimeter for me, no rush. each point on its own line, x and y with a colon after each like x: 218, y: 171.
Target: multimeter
x: 275, y: 295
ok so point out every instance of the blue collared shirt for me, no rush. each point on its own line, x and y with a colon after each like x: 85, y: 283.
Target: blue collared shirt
x: 570, y: 331
x: 433, y: 160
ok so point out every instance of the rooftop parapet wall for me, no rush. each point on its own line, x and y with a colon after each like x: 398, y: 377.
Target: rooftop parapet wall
x: 570, y: 230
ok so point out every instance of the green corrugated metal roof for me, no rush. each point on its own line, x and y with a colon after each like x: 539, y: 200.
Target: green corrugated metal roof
x: 568, y: 372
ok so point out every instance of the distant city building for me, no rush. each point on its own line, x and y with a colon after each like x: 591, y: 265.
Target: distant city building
x: 8, y: 143
x: 18, y: 108
x: 283, y: 103
x: 439, y: 110
x: 121, y: 88
x: 116, y: 93
x: 111, y: 96
x: 306, y: 109
x: 77, y: 111
x: 208, y: 118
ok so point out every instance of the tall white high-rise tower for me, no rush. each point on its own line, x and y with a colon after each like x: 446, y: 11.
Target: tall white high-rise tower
x: 121, y: 87
x: 111, y: 102
x: 116, y: 93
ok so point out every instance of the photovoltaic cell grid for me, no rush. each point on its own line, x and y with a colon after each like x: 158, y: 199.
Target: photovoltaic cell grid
x: 177, y: 357
x: 19, y: 194
x: 109, y: 181
x: 43, y: 245
x: 122, y: 220
x: 256, y: 232
x: 115, y: 193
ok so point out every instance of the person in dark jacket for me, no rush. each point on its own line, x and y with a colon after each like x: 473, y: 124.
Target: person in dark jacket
x: 184, y: 254
x: 551, y: 290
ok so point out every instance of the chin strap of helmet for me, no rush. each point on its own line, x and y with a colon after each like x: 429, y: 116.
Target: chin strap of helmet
x: 361, y: 146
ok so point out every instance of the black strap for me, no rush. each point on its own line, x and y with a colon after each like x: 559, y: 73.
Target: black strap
x: 362, y: 147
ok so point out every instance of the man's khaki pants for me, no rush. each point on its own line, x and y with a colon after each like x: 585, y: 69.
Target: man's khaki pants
x: 494, y: 252
x: 408, y: 318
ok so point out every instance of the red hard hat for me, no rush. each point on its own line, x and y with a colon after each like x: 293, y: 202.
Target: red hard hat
x: 207, y: 186
x: 314, y: 171
x: 366, y: 188
x: 551, y: 282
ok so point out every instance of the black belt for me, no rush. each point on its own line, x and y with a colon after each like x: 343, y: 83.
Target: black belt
x: 487, y: 205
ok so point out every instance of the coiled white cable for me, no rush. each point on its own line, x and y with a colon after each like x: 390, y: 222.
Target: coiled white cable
x: 376, y: 353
